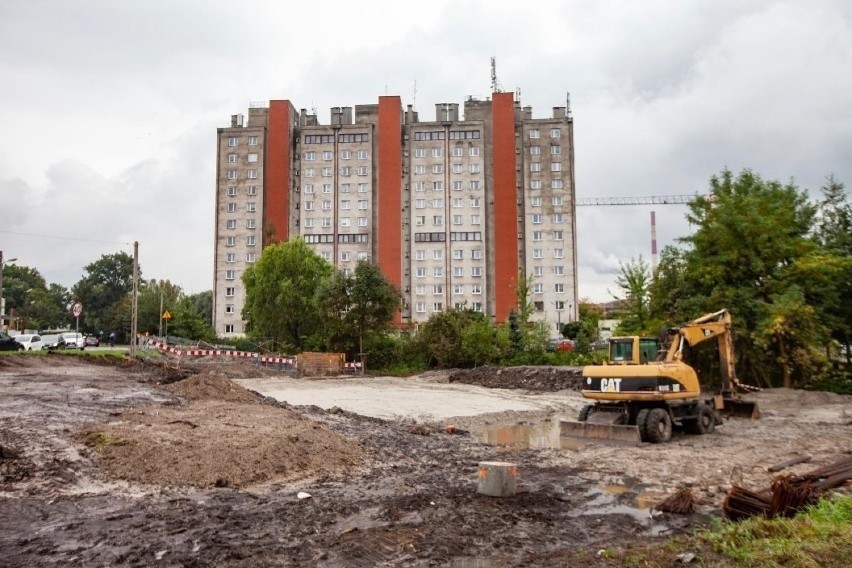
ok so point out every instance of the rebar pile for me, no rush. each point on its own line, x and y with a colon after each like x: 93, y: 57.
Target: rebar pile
x: 681, y: 503
x: 788, y: 494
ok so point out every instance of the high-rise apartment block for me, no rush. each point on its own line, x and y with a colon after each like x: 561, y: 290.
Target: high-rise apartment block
x: 452, y: 210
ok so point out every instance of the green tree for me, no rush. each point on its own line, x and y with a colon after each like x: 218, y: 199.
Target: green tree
x: 281, y: 293
x: 634, y: 282
x: 154, y: 295
x: 373, y: 301
x: 446, y: 339
x: 334, y: 297
x: 104, y: 292
x: 186, y: 322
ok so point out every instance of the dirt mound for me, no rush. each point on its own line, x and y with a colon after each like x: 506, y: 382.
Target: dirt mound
x: 211, y: 386
x: 549, y: 379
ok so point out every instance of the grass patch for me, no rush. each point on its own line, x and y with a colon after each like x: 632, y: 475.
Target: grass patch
x: 99, y: 441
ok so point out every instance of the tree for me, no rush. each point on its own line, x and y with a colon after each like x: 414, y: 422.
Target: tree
x: 281, y: 293
x: 750, y: 236
x: 373, y: 301
x: 107, y: 282
x: 187, y: 322
x: 448, y: 341
x: 634, y: 282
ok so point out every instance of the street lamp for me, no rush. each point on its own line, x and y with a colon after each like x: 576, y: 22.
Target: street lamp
x: 2, y: 302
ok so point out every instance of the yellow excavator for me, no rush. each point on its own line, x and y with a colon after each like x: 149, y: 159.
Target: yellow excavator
x: 641, y: 392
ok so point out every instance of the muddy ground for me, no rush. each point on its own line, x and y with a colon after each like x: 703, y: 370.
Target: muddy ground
x: 107, y: 465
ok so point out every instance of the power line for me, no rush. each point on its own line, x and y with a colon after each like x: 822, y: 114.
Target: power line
x: 65, y: 238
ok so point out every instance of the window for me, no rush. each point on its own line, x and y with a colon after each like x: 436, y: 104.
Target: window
x: 458, y: 254
x: 458, y: 202
x: 438, y: 289
x: 538, y: 271
x: 555, y: 150
x: 310, y: 156
x: 438, y: 220
x: 232, y: 141
x: 534, y: 133
x: 308, y: 172
x: 560, y: 305
x: 464, y: 135
x: 362, y: 154
x: 535, y: 167
x: 474, y: 168
x: 362, y: 170
x: 536, y: 218
x: 251, y: 190
x: 326, y: 205
x: 476, y: 306
x: 326, y: 222
x: 438, y: 254
x: 473, y: 151
x: 537, y: 253
x: 558, y: 253
x: 476, y: 288
x: 232, y: 158
x: 362, y: 204
x: 362, y: 221
x: 420, y: 220
x: 345, y: 222
x: 420, y: 272
x: 251, y: 224
x: 420, y: 152
x: 457, y: 152
x: 252, y: 140
x: 559, y: 288
x: 420, y: 255
x: 232, y: 207
x: 558, y: 218
x: 429, y: 135
x: 232, y: 174
x: 252, y: 174
x: 421, y: 307
x: 537, y: 235
x: 419, y: 169
x: 326, y: 172
x: 458, y: 168
x: 345, y: 204
x: 538, y: 288
x: 438, y: 186
x: 555, y: 133
x: 438, y: 271
x: 476, y: 254
x: 556, y: 184
x: 252, y: 158
x: 309, y: 188
x: 437, y: 152
x: 420, y: 186
x: 476, y: 271
x: 555, y: 167
x: 457, y: 185
x: 251, y: 257
x: 438, y: 168
x: 475, y: 219
x: 475, y: 201
x: 535, y: 201
x: 535, y: 150
x: 230, y: 274
x: 229, y: 308
x: 230, y: 292
x: 232, y: 191
x: 251, y: 206
x: 231, y: 257
x: 458, y: 288
x: 326, y: 156
x: 558, y: 235
x: 362, y: 188
x: 457, y: 219
x: 458, y: 271
x: 557, y: 200
x: 230, y: 241
x: 232, y: 223
x: 420, y: 289
x: 349, y: 138
x: 229, y: 328
x: 309, y: 205
x: 326, y: 256
x: 539, y: 306
x: 309, y: 223
x: 345, y: 171
x: 345, y: 188
x: 251, y: 240
x: 535, y: 184
x: 438, y: 306
x: 345, y: 256
x: 345, y: 154
x: 326, y: 188
x: 559, y: 270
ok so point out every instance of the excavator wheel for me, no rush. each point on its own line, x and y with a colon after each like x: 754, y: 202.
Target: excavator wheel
x: 706, y: 422
x: 585, y: 412
x: 641, y: 418
x: 657, y: 426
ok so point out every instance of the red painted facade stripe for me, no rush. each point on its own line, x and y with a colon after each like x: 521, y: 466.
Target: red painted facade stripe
x: 389, y: 190
x: 277, y: 172
x: 505, y: 205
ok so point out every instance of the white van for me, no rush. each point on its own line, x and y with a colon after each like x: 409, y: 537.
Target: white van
x: 30, y: 342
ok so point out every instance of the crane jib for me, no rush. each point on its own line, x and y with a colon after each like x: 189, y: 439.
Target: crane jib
x: 632, y: 384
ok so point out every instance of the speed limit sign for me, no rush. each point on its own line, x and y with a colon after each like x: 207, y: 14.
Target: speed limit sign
x: 77, y: 309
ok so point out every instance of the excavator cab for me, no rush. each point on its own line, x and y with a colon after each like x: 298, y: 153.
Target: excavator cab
x: 633, y: 350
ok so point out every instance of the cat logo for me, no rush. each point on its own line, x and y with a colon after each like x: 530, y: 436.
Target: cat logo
x: 610, y: 385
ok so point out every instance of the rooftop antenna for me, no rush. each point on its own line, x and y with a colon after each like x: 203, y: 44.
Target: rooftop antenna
x: 414, y: 95
x: 496, y: 87
x: 568, y: 104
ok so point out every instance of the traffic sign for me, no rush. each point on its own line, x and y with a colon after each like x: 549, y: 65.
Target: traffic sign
x: 76, y: 309
x: 167, y: 315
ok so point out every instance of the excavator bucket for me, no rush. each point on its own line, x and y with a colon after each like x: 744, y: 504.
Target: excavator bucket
x: 601, y: 427
x: 737, y: 407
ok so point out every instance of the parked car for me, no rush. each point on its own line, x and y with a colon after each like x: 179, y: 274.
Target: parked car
x: 49, y: 342
x: 31, y: 342
x: 73, y: 340
x: 560, y: 345
x: 7, y: 343
x: 93, y: 340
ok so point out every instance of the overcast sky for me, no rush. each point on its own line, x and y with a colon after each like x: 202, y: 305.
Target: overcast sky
x: 109, y: 108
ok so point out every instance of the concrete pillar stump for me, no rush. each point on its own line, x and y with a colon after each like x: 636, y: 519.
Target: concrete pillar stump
x: 498, y: 479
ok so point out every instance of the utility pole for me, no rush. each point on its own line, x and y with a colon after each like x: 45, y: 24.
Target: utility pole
x: 2, y: 302
x: 134, y: 313
x: 160, y: 330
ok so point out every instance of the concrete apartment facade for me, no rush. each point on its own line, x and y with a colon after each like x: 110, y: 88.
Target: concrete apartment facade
x: 451, y: 210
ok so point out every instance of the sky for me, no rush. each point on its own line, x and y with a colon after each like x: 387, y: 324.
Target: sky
x: 109, y: 108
